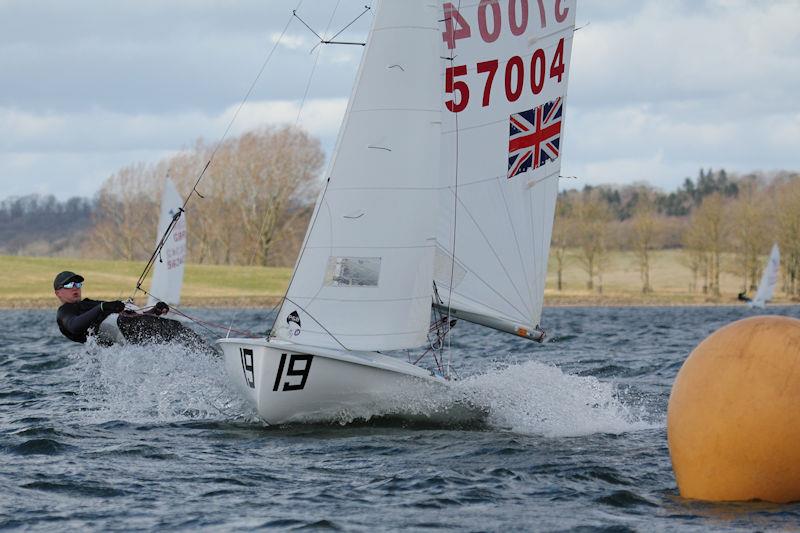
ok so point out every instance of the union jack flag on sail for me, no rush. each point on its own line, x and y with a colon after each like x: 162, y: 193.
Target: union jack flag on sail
x: 534, y: 137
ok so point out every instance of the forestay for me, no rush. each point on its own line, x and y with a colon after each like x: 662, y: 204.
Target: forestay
x: 168, y: 270
x: 501, y: 144
x: 363, y: 279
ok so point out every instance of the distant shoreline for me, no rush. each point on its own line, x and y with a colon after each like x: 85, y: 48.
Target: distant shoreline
x: 270, y: 302
x: 251, y: 287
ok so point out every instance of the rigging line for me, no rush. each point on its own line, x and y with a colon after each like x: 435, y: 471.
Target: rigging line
x: 366, y: 8
x: 294, y: 14
x: 320, y: 200
x: 202, y: 323
x: 213, y: 153
x: 316, y: 62
x: 297, y: 120
x: 322, y: 40
x: 455, y: 217
x: 308, y: 87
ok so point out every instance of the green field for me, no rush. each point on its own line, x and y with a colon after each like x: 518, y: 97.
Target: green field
x: 27, y: 283
x: 670, y: 279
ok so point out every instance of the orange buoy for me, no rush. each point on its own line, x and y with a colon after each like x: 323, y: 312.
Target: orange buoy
x: 733, y: 421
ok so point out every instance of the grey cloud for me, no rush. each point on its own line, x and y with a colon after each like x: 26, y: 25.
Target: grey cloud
x: 156, y: 56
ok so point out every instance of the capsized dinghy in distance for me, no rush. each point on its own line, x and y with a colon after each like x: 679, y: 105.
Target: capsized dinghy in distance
x: 441, y: 193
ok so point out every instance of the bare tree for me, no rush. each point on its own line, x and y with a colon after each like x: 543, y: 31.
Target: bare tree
x: 256, y: 192
x: 645, y: 235
x: 561, y: 237
x: 787, y: 217
x: 591, y: 217
x: 126, y: 215
x: 749, y: 232
x: 707, y: 234
x: 280, y: 180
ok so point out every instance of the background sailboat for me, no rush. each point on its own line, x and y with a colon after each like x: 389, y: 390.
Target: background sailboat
x: 441, y: 191
x: 769, y: 279
x: 168, y: 269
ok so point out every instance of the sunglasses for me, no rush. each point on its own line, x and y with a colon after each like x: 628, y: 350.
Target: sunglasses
x: 72, y: 285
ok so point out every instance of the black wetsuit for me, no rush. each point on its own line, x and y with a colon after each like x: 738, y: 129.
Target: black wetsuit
x: 77, y: 321
x: 80, y: 320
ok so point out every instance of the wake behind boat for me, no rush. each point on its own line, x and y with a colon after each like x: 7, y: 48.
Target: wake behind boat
x: 440, y: 199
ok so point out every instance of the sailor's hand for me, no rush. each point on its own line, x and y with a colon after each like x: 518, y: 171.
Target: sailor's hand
x: 112, y: 307
x: 161, y: 308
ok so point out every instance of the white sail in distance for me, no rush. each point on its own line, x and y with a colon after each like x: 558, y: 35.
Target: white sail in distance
x: 168, y: 270
x: 501, y: 156
x: 769, y: 278
x: 363, y: 278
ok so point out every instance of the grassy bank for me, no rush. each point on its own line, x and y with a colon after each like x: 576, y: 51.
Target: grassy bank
x: 27, y: 283
x: 670, y: 279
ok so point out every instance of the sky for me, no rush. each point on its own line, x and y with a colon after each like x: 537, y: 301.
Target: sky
x: 657, y: 90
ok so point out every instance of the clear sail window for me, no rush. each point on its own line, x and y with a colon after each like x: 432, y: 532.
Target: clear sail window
x: 353, y: 272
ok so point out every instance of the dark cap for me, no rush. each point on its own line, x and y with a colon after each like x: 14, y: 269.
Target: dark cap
x: 66, y: 277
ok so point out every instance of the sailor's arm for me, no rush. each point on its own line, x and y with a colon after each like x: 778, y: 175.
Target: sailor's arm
x: 79, y: 324
x: 159, y: 309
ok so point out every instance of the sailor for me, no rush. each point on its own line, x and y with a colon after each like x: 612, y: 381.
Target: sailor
x: 743, y: 297
x: 80, y: 318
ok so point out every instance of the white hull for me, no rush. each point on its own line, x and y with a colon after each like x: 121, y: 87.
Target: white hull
x: 286, y: 382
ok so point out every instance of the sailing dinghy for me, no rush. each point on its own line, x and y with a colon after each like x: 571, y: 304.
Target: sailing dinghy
x: 769, y: 279
x: 439, y: 200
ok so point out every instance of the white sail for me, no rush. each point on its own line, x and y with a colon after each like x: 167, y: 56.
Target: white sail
x: 168, y: 270
x: 769, y: 279
x: 363, y: 279
x: 501, y: 157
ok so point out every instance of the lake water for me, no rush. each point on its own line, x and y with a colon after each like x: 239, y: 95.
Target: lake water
x: 137, y: 438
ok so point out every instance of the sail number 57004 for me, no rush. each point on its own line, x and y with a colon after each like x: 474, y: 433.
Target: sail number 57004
x: 514, y: 75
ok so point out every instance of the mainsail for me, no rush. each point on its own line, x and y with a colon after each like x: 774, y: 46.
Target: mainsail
x: 168, y: 270
x: 501, y: 144
x: 769, y: 279
x: 363, y: 279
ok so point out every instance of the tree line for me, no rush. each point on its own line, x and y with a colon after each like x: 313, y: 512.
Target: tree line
x: 255, y: 199
x: 42, y: 225
x: 722, y: 223
x: 251, y: 206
